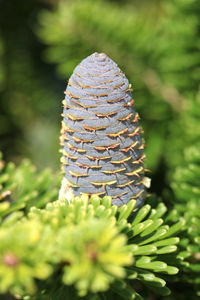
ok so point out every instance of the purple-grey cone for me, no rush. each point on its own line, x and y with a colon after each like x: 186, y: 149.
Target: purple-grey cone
x: 102, y: 147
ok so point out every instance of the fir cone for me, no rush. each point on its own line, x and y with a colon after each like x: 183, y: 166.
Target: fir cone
x: 102, y: 147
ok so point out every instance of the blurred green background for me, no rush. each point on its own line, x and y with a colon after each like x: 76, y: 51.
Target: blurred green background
x: 156, y: 43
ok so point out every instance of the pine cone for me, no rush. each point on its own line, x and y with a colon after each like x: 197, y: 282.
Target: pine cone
x: 101, y: 138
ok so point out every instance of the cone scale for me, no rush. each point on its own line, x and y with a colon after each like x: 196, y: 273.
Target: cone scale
x: 102, y: 147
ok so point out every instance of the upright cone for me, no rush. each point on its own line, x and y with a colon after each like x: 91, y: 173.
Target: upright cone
x: 102, y: 147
